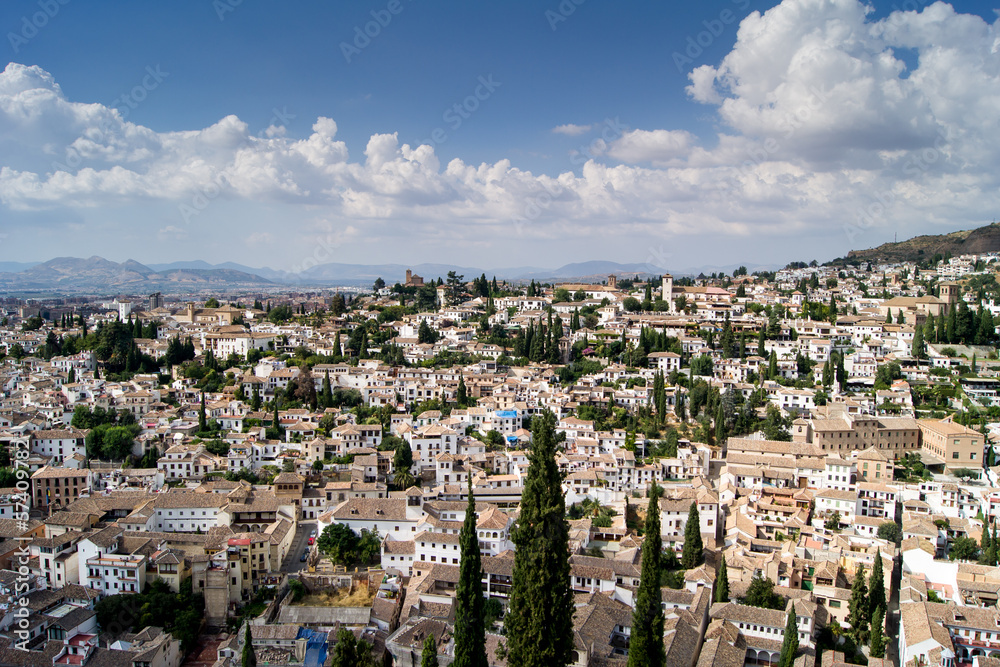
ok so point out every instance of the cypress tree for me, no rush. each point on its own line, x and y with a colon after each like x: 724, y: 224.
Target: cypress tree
x: 470, y: 606
x: 327, y: 394
x: 790, y: 644
x: 859, y: 615
x: 722, y: 582
x: 539, y: 619
x: 249, y: 657
x: 985, y: 542
x: 720, y: 427
x: 995, y: 545
x: 876, y: 647
x: 761, y: 352
x: 462, y: 394
x: 646, y: 643
x: 876, y: 585
x: 202, y: 421
x: 772, y: 366
x: 429, y: 656
x: 917, y: 347
x: 692, y: 554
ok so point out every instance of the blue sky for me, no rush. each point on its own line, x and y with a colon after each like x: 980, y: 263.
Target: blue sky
x: 680, y: 134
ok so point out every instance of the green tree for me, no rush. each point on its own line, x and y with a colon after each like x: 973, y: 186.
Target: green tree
x: 429, y: 656
x: 249, y: 657
x: 349, y: 652
x: 426, y: 335
x: 339, y: 542
x: 876, y: 585
x: 918, y: 349
x: 693, y: 553
x: 722, y: 581
x: 462, y: 394
x: 963, y: 548
x: 202, y: 421
x: 761, y: 593
x: 539, y: 621
x: 470, y: 623
x: 402, y: 458
x: 993, y: 553
x: 646, y: 643
x: 326, y: 397
x: 860, y: 613
x: 876, y: 647
x: 790, y: 643
x: 890, y: 530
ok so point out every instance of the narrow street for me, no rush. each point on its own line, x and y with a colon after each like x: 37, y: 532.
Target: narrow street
x: 892, y: 617
x: 293, y: 561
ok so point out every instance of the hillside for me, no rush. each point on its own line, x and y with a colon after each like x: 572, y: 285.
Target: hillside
x: 97, y: 273
x: 920, y: 248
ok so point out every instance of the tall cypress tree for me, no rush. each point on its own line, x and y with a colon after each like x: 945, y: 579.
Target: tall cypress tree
x: 876, y: 585
x: 462, y: 394
x: 202, y: 421
x: 790, y: 644
x: 249, y: 657
x: 470, y: 607
x: 876, y: 647
x: 327, y: 395
x: 539, y: 619
x: 693, y: 553
x: 859, y: 615
x: 722, y: 582
x: 646, y: 643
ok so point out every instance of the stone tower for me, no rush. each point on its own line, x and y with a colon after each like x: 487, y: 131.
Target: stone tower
x: 949, y: 294
x: 668, y: 291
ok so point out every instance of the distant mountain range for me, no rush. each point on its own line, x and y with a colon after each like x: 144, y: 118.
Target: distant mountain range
x: 100, y: 275
x: 919, y: 248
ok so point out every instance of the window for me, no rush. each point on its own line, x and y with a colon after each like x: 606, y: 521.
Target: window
x: 835, y: 604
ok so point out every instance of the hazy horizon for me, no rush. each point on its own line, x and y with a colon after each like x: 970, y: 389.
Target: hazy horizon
x: 711, y: 134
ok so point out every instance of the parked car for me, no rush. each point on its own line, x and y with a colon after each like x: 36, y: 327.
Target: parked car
x: 311, y: 539
x: 305, y: 556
